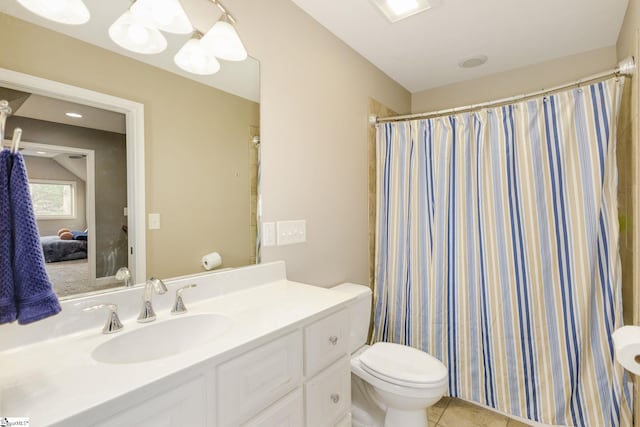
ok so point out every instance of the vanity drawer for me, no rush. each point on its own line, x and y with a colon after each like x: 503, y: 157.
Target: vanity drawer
x: 256, y: 379
x: 287, y: 412
x: 328, y: 395
x: 325, y: 341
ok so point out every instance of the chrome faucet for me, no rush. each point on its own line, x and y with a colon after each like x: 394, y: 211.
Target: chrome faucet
x: 147, y: 314
x: 123, y: 274
x: 113, y: 322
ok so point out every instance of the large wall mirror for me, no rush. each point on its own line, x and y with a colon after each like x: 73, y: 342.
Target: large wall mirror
x: 154, y: 142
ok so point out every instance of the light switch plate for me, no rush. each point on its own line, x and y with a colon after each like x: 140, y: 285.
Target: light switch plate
x: 291, y: 232
x: 268, y: 234
x: 154, y: 221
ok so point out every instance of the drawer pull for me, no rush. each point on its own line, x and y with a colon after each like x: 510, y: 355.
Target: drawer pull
x: 335, y: 398
x: 333, y: 340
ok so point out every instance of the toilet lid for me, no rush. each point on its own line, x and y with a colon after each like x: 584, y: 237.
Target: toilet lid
x: 402, y: 365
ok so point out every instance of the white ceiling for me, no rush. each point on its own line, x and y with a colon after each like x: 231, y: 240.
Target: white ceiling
x: 423, y: 51
x: 53, y: 110
x: 238, y: 78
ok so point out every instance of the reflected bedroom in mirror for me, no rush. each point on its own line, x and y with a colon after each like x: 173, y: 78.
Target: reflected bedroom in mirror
x: 77, y: 168
x: 113, y: 138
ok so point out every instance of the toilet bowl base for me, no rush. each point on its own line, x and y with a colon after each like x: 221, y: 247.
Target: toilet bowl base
x: 396, y: 418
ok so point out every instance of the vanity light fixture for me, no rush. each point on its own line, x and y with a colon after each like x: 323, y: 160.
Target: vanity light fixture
x: 73, y: 115
x: 395, y: 10
x: 195, y: 58
x: 137, y: 34
x: 69, y: 12
x: 139, y: 28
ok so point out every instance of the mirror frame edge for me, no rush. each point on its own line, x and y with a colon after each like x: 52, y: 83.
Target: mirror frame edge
x: 134, y: 116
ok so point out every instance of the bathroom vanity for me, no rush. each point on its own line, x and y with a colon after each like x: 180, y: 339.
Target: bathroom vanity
x: 254, y: 349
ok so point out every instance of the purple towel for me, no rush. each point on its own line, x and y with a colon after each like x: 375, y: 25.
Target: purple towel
x: 33, y: 290
x: 8, y: 312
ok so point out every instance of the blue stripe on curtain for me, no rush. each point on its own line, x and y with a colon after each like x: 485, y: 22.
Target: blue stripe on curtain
x: 496, y: 252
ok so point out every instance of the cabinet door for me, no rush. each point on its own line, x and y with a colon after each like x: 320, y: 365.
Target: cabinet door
x: 328, y: 395
x: 325, y: 341
x: 287, y: 412
x: 256, y: 379
x: 182, y: 406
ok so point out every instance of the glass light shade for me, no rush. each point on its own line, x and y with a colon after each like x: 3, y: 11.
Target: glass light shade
x: 165, y: 15
x: 137, y: 35
x: 194, y: 58
x: 70, y: 12
x: 223, y: 41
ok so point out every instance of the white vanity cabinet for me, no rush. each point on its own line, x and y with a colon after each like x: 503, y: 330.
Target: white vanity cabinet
x: 257, y: 379
x: 299, y: 379
x: 283, y: 361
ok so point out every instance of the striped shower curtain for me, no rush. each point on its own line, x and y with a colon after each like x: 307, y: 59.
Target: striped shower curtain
x: 497, y: 253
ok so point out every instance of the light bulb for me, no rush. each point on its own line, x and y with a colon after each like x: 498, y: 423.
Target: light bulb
x: 223, y: 41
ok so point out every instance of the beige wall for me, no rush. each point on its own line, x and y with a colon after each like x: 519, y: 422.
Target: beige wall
x: 314, y: 102
x: 195, y: 144
x: 629, y: 179
x: 515, y: 82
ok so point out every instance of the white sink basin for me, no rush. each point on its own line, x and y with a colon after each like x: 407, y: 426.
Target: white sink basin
x: 161, y: 339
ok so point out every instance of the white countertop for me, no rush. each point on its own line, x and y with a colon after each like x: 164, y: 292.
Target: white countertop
x: 52, y: 380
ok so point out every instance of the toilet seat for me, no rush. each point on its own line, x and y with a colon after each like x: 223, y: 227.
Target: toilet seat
x: 403, y: 366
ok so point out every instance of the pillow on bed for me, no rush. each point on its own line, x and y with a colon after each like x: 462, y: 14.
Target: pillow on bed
x: 67, y: 235
x: 64, y: 230
x: 79, y: 235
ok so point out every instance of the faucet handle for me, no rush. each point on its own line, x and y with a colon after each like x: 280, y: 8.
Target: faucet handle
x: 178, y: 305
x: 113, y: 323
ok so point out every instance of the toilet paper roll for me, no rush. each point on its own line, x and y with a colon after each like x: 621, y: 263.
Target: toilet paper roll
x: 626, y: 342
x: 211, y: 261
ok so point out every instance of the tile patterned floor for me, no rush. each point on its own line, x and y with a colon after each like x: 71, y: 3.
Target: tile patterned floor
x: 451, y: 412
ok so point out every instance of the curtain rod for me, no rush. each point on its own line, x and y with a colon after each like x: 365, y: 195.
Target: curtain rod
x: 626, y: 67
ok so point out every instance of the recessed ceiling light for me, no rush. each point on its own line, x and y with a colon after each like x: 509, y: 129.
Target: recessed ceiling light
x: 396, y: 10
x: 74, y: 115
x: 474, y: 61
x: 41, y: 152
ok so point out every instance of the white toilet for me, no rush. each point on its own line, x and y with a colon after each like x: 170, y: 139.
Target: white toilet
x: 392, y: 385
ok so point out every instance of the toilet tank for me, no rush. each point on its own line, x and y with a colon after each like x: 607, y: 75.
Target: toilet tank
x: 359, y: 313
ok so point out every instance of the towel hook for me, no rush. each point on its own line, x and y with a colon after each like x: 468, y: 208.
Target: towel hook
x: 5, y: 110
x: 15, y: 141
